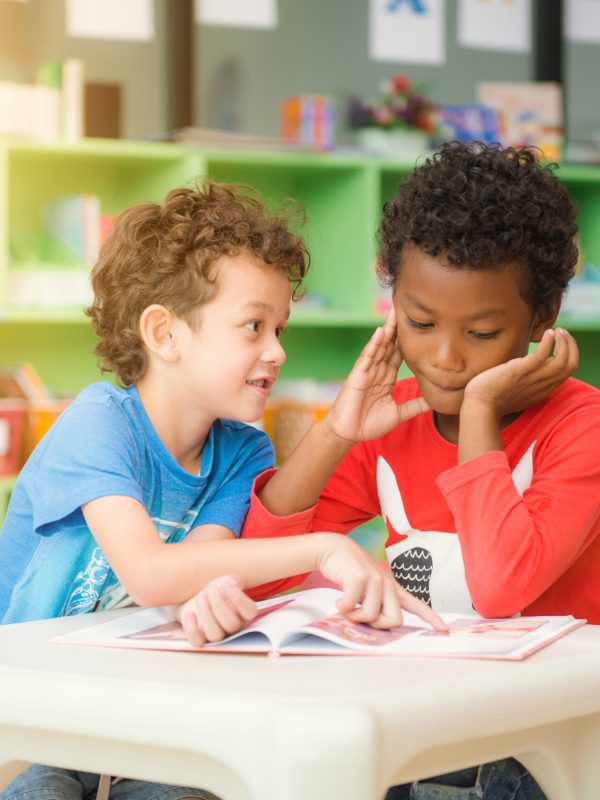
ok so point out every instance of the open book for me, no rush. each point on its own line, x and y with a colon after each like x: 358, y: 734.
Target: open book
x: 308, y: 623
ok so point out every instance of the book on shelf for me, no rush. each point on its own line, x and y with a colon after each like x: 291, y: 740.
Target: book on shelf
x: 529, y: 114
x: 72, y: 227
x: 308, y: 623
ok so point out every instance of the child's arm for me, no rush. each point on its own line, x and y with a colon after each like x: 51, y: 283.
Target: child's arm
x: 518, y: 544
x: 156, y: 573
x: 364, y: 409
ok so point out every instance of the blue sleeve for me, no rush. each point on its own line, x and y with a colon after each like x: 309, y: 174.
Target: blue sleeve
x: 252, y: 455
x: 90, y: 452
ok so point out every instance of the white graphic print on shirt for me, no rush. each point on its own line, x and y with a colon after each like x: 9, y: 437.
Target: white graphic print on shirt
x: 429, y: 563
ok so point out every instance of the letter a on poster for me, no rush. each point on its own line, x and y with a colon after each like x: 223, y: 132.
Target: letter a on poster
x: 411, y: 31
x: 495, y: 24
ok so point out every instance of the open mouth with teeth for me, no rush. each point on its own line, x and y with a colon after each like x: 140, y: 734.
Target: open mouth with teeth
x: 261, y: 383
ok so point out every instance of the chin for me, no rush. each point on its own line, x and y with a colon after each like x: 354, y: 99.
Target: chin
x: 248, y: 417
x: 441, y: 402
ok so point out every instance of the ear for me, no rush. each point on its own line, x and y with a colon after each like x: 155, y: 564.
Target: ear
x: 544, y: 318
x: 157, y: 329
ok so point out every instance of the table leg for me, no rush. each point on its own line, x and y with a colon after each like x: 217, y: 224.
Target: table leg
x: 324, y: 752
x: 565, y: 760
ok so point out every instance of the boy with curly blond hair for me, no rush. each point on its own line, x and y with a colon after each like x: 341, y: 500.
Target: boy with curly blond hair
x: 138, y: 492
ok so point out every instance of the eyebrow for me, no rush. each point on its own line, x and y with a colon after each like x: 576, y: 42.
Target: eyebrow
x: 485, y: 314
x: 261, y: 306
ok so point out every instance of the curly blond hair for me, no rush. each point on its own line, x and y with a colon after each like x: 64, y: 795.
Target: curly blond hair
x: 166, y: 254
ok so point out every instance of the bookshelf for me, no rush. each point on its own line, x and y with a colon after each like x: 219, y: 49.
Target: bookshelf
x: 342, y: 195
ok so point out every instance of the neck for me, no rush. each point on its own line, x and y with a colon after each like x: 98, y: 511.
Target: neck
x: 180, y: 426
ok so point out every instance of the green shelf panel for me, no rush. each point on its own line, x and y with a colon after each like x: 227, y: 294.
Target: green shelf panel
x: 62, y: 352
x: 339, y: 231
x: 342, y: 193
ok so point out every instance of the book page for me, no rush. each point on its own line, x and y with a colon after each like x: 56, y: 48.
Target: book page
x: 294, y: 612
x: 154, y: 629
x: 468, y: 637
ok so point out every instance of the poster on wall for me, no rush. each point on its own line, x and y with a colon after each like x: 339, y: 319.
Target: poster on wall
x: 495, y: 25
x: 130, y: 20
x: 407, y: 31
x: 237, y: 13
x: 582, y: 21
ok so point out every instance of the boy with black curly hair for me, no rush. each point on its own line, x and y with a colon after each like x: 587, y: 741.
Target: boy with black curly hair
x: 491, y: 497
x: 138, y: 491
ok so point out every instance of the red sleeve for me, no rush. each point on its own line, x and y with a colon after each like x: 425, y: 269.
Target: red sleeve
x: 348, y: 500
x: 514, y: 548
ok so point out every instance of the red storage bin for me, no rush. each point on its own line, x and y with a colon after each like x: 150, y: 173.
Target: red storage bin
x: 13, y: 413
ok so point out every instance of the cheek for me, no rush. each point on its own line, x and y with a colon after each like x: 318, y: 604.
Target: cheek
x: 409, y: 346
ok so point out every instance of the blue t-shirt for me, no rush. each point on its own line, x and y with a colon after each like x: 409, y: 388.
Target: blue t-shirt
x: 104, y: 444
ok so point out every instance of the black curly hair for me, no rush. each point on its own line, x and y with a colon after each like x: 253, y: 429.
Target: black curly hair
x: 483, y: 206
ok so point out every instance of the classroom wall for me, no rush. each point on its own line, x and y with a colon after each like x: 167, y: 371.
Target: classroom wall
x: 241, y: 75
x: 581, y: 83
x: 35, y: 31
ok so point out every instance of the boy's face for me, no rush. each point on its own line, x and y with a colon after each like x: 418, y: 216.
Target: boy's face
x: 455, y: 323
x: 233, y: 358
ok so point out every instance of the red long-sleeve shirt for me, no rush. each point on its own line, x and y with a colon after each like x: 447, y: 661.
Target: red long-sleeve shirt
x: 508, y: 531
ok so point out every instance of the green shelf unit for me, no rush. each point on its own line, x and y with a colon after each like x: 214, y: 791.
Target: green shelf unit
x: 62, y: 352
x: 343, y: 197
x: 338, y: 195
x: 119, y: 173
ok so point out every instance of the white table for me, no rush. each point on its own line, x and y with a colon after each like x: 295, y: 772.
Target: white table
x: 297, y: 728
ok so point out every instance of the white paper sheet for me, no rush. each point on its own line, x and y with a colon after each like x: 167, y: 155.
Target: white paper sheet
x: 582, y: 20
x: 410, y: 31
x: 495, y: 24
x: 237, y: 13
x: 131, y: 20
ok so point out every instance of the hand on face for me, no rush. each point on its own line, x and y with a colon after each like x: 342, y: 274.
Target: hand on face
x: 370, y: 593
x: 522, y: 382
x: 365, y: 407
x: 219, y: 610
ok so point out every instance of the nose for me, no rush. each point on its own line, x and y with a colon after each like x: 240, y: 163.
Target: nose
x: 446, y: 354
x: 274, y: 353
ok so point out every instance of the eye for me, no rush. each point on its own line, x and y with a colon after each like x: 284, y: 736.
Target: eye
x: 253, y: 326
x: 420, y: 326
x: 484, y: 336
x: 279, y: 331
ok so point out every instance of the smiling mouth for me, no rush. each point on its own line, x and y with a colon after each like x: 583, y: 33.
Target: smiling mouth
x: 261, y: 383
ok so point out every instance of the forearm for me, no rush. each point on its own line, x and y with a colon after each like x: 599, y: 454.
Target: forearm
x: 515, y: 547
x: 307, y: 470
x: 174, y: 572
x: 480, y: 430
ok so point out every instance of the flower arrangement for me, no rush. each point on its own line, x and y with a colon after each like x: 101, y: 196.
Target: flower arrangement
x: 399, y: 105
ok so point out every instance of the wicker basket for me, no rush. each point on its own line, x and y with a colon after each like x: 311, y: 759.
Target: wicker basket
x: 286, y: 422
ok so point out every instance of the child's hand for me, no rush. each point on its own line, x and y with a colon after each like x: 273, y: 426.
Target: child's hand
x: 522, y: 382
x: 220, y: 609
x: 365, y: 407
x: 370, y: 593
